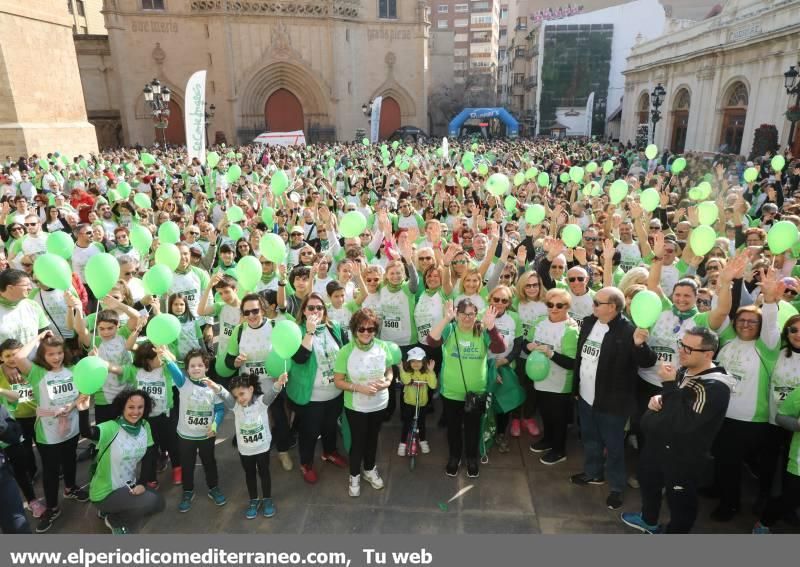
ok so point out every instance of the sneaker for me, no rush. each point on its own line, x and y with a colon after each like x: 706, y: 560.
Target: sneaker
x: 216, y: 495
x: 334, y: 458
x: 401, y: 450
x: 541, y: 446
x: 452, y: 467
x: 532, y: 427
x: 582, y: 479
x: 286, y: 460
x: 472, y: 468
x: 37, y: 508
x: 374, y: 478
x: 355, y: 486
x: 552, y: 458
x: 268, y: 508
x: 425, y: 447
x: 633, y: 482
x: 635, y: 520
x: 48, y: 518
x: 614, y: 500
x: 153, y: 485
x: 723, y: 513
x: 502, y: 444
x: 309, y: 474
x: 252, y: 509
x: 633, y: 441
x: 186, y: 501
x: 76, y: 493
x: 761, y: 529
x: 115, y: 530
x: 515, y: 427
x: 177, y: 477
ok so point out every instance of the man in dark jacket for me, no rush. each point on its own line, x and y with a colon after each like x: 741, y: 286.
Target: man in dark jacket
x: 610, y: 351
x: 680, y: 426
x: 12, y: 515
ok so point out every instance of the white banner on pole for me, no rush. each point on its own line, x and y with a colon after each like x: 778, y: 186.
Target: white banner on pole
x: 375, y: 120
x: 589, y: 113
x: 445, y: 149
x: 195, y: 118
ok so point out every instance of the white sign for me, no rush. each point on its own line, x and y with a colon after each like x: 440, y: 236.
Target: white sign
x: 295, y: 138
x: 195, y: 118
x: 375, y: 120
x: 589, y: 113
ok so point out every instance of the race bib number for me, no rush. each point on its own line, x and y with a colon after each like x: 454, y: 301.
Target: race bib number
x: 252, y: 433
x: 590, y: 350
x: 153, y: 390
x: 423, y: 331
x: 256, y: 438
x: 391, y: 323
x: 24, y: 391
x: 663, y: 354
x: 227, y: 330
x: 781, y: 392
x: 257, y: 369
x: 198, y: 420
x: 61, y: 392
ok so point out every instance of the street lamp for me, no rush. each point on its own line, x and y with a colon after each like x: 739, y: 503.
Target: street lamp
x: 209, y: 115
x: 656, y: 100
x: 792, y: 88
x: 600, y: 110
x: 157, y: 98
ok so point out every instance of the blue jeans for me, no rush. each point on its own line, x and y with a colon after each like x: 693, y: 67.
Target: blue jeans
x: 12, y: 515
x: 603, y: 431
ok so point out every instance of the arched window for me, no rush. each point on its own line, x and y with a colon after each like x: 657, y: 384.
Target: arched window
x: 738, y: 96
x: 680, y: 121
x: 387, y: 9
x: 734, y: 115
x: 644, y: 108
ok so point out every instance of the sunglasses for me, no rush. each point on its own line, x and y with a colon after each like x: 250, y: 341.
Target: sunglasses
x: 704, y: 302
x: 17, y: 228
x: 315, y: 308
x: 502, y: 300
x: 599, y: 303
x: 590, y: 238
x: 425, y: 258
x: 367, y: 330
x: 557, y: 267
x: 372, y: 280
x: 306, y: 253
x: 459, y: 262
x: 31, y: 223
x: 193, y: 233
x: 531, y: 285
x: 748, y: 322
x: 551, y: 305
x: 576, y: 279
x: 506, y: 276
x: 689, y: 350
x: 248, y: 312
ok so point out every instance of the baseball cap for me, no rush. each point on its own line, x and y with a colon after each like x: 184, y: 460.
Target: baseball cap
x: 415, y: 353
x: 297, y: 230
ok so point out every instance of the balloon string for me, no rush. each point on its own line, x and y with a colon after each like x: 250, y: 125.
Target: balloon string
x: 94, y: 330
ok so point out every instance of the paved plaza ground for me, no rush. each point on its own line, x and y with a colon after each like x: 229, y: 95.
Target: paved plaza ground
x: 515, y: 494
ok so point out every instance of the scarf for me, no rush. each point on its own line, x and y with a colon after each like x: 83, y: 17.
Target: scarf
x: 365, y: 347
x: 129, y: 428
x: 393, y: 288
x: 683, y: 315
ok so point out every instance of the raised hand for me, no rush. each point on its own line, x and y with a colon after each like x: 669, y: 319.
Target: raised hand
x: 449, y: 311
x: 666, y: 372
x: 489, y: 317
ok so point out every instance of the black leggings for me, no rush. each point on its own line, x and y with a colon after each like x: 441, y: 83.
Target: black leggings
x: 18, y: 459
x: 56, y: 459
x: 315, y: 419
x: 29, y: 434
x: 458, y: 420
x: 257, y: 465
x: 555, y: 410
x: 165, y: 438
x: 189, y: 449
x: 789, y: 499
x: 364, y: 431
x: 281, y: 433
x: 735, y: 441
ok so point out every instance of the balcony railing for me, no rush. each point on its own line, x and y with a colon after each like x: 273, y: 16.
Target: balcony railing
x: 531, y: 83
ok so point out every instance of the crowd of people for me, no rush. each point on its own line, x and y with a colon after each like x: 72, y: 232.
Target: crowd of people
x: 513, y: 288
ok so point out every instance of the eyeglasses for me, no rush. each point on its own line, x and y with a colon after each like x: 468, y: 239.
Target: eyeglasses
x: 248, y: 312
x: 470, y: 314
x: 748, y: 322
x: 425, y: 258
x: 368, y: 280
x: 531, y: 285
x: 590, y: 238
x: 194, y: 233
x: 573, y: 279
x: 315, y: 308
x: 599, y: 303
x: 551, y: 305
x: 689, y: 350
x: 459, y: 262
x: 367, y: 330
x: 502, y: 300
x: 704, y: 302
x: 793, y: 330
x: 306, y: 253
x: 556, y: 267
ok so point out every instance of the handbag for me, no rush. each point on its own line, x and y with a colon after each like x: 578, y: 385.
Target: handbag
x: 474, y: 403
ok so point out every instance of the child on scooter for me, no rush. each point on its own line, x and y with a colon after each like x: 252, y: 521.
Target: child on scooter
x: 417, y: 377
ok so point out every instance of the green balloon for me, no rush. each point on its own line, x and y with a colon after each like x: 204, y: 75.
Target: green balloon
x: 707, y: 212
x: 352, y: 224
x: 650, y: 199
x: 163, y: 329
x: 158, y: 279
x: 235, y: 213
x: 591, y: 167
x: 384, y: 149
x: 464, y: 182
x: 53, y: 271
x: 778, y: 163
x: 169, y: 233
x: 595, y: 189
x: 234, y: 172
x: 576, y: 173
x: 534, y: 214
x: 235, y: 232
x: 147, y: 159
x: 286, y: 338
x: 608, y: 165
x: 531, y: 173
x: 141, y: 239
x: 563, y: 177
x: 248, y: 272
x: 64, y: 160
x: 702, y: 240
x: 44, y: 164
x: 571, y: 235
x: 474, y: 146
x: 695, y: 194
x: 279, y: 182
x: 142, y: 201
x: 537, y: 367
x: 273, y: 248
x: 498, y: 184
x: 276, y: 365
x: 704, y: 188
x: 782, y: 236
x: 404, y: 164
x: 543, y: 180
x: 510, y: 203
x: 395, y: 144
x: 231, y: 155
x: 785, y: 310
x: 124, y: 189
x: 483, y: 169
x: 651, y: 151
x: 387, y: 162
x: 168, y: 255
x: 395, y: 354
x: 618, y: 191
x: 61, y: 244
x: 90, y: 374
x: 83, y: 164
x: 519, y: 179
x: 750, y: 174
x: 409, y: 151
x: 102, y: 273
x: 212, y: 159
x: 468, y: 165
x: 365, y: 142
x: 468, y: 156
x: 646, y: 307
x: 678, y: 165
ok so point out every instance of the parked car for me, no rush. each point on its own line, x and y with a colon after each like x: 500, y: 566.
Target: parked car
x: 408, y: 134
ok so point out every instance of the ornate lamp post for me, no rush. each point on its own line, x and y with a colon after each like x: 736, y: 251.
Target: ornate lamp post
x: 656, y: 100
x: 210, y: 111
x: 600, y: 110
x: 792, y: 88
x: 157, y: 98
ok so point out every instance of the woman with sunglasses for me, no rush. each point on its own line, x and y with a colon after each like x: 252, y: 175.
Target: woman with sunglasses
x: 749, y: 350
x: 369, y: 280
x: 243, y: 248
x: 465, y: 354
x: 311, y: 387
x: 248, y: 349
x: 556, y: 336
x: 363, y: 369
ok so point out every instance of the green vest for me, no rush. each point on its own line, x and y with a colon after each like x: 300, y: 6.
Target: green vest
x: 301, y: 376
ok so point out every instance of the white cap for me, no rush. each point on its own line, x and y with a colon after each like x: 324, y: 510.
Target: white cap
x: 415, y: 353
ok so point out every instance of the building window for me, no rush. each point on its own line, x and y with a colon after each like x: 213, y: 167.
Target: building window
x: 503, y: 12
x: 519, y: 52
x: 69, y: 7
x: 461, y: 23
x: 462, y: 8
x: 443, y: 8
x: 481, y: 18
x: 460, y: 52
x: 441, y: 24
x: 480, y: 6
x: 461, y: 38
x: 152, y: 4
x: 387, y: 9
x: 81, y: 8
x: 519, y: 78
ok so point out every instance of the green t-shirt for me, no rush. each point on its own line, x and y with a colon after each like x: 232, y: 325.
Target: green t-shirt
x: 791, y: 407
x: 119, y: 455
x: 473, y: 352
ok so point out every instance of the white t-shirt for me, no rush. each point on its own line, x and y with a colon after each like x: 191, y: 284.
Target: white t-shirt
x: 590, y: 355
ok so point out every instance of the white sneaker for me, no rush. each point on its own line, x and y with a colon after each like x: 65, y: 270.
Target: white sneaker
x: 424, y: 447
x: 374, y: 478
x: 401, y: 450
x: 355, y: 486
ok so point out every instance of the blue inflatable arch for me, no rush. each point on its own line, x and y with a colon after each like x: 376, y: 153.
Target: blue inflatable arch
x: 512, y: 126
